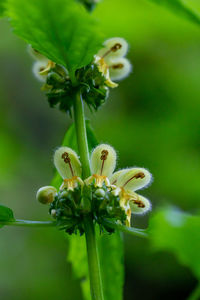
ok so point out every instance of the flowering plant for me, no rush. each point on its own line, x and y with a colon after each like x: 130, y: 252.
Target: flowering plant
x: 88, y: 196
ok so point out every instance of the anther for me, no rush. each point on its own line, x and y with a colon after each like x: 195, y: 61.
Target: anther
x: 104, y: 155
x: 116, y: 47
x: 136, y: 176
x: 67, y: 160
x: 66, y: 157
x: 139, y: 203
x: 117, y: 66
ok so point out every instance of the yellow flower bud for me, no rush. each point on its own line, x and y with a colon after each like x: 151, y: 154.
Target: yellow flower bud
x: 119, y: 69
x: 103, y: 160
x: 114, y: 48
x: 46, y: 194
x: 67, y: 163
x: 140, y: 205
x: 134, y: 179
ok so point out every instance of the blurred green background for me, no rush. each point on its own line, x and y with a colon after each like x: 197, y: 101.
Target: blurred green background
x: 152, y: 120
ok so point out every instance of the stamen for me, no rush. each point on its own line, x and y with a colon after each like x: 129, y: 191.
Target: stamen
x: 42, y: 69
x: 136, y: 176
x: 114, y: 181
x: 104, y: 155
x: 67, y: 160
x: 114, y: 48
x: 139, y: 203
x: 118, y: 66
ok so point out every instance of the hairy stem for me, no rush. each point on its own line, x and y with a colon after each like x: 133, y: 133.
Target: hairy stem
x: 92, y: 251
x: 81, y: 135
x: 27, y: 223
x: 93, y: 261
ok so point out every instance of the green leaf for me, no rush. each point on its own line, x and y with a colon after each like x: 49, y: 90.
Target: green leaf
x: 6, y: 214
x: 180, y: 8
x: 70, y: 141
x: 177, y: 232
x: 78, y: 257
x: 2, y: 8
x: 61, y: 30
x: 112, y: 265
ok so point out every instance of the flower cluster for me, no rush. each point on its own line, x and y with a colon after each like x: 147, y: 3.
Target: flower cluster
x: 93, y: 80
x: 104, y: 195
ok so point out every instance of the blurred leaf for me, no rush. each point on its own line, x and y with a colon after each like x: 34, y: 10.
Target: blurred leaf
x: 78, y: 257
x: 61, y: 30
x: 179, y: 233
x: 2, y: 8
x: 112, y: 265
x: 6, y: 214
x: 180, y: 8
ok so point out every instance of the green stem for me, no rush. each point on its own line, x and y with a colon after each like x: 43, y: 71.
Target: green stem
x: 131, y: 230
x: 81, y: 135
x: 27, y: 223
x: 92, y: 251
x: 93, y: 261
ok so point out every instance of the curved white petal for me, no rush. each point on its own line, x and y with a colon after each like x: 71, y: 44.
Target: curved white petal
x: 134, y: 179
x: 38, y: 67
x: 115, y: 176
x: 103, y: 160
x: 119, y: 68
x: 114, y: 48
x: 67, y: 163
x: 141, y: 205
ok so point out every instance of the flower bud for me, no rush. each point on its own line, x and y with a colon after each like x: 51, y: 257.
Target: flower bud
x: 67, y: 163
x: 119, y: 69
x: 100, y: 193
x: 46, y: 194
x: 134, y: 179
x: 36, y: 54
x: 53, y: 213
x: 103, y: 160
x: 140, y: 205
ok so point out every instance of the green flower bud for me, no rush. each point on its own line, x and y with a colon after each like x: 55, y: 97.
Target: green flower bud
x: 134, y: 179
x: 100, y: 193
x: 103, y: 160
x: 140, y: 206
x: 119, y: 68
x: 46, y: 194
x: 67, y: 163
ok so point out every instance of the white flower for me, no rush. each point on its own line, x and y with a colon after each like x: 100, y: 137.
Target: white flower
x: 111, y: 60
x: 123, y: 183
x: 42, y: 65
